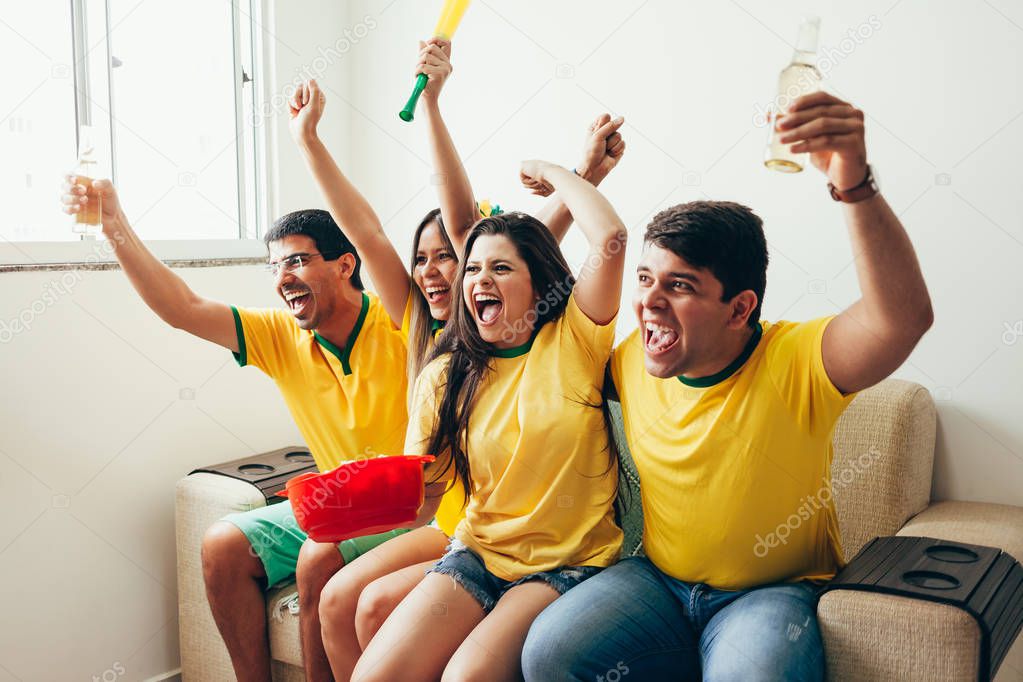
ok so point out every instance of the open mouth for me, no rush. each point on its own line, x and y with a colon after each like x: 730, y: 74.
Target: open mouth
x: 488, y: 307
x: 658, y: 339
x: 298, y: 300
x: 438, y: 294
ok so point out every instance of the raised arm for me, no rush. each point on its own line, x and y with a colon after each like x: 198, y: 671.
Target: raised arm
x: 602, y: 151
x: 164, y: 292
x: 349, y: 208
x: 874, y: 336
x: 598, y: 287
x: 457, y: 204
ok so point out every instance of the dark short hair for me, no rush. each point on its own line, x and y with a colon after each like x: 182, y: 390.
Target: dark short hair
x: 723, y: 237
x: 319, y: 226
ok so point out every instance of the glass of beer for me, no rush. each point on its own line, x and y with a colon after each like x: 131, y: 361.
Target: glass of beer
x: 88, y: 219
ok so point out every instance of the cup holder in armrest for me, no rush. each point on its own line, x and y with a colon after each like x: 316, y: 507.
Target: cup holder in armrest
x: 985, y: 582
x: 268, y: 471
x: 256, y: 469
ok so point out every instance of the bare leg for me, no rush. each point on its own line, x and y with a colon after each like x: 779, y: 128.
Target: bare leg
x: 382, y: 596
x: 235, y: 581
x: 493, y: 651
x: 317, y: 563
x: 340, y: 598
x: 417, y: 640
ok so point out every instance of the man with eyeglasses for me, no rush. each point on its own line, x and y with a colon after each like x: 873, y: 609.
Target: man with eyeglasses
x: 339, y: 362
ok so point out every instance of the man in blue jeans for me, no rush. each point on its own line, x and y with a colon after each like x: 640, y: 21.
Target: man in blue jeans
x: 729, y: 420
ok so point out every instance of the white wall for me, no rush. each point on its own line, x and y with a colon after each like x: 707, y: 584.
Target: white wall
x: 95, y: 428
x: 938, y: 80
x: 105, y: 408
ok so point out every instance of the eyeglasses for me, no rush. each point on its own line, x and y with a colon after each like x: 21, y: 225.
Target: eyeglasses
x: 295, y: 261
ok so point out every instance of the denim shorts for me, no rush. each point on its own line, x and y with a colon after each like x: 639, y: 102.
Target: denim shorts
x: 468, y: 570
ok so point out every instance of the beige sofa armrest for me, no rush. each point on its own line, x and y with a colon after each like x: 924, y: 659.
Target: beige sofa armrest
x: 882, y: 637
x: 870, y: 636
x: 975, y: 523
x: 202, y: 499
x: 884, y: 456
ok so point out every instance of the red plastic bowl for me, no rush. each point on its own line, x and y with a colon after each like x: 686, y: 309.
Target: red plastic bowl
x: 358, y: 498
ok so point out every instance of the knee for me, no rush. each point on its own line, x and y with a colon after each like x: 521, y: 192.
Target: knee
x: 374, y: 606
x: 317, y: 564
x: 547, y: 653
x: 226, y: 554
x: 337, y: 602
x: 777, y: 630
x: 777, y: 663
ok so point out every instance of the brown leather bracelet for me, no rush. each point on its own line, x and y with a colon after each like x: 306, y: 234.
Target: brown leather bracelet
x: 864, y: 190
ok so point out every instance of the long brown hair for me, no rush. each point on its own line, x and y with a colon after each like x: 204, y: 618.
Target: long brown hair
x: 421, y: 326
x: 469, y: 355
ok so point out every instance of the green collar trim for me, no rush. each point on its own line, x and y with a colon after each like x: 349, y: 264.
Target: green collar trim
x: 437, y: 325
x: 514, y: 352
x: 704, y: 382
x: 344, y: 355
x: 241, y: 357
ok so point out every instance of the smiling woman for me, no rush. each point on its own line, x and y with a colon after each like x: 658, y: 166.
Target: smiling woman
x: 498, y: 283
x: 514, y: 348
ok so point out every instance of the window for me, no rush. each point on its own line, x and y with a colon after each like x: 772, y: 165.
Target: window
x: 169, y: 89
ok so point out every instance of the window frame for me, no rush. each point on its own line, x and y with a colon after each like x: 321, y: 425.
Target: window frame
x: 253, y: 62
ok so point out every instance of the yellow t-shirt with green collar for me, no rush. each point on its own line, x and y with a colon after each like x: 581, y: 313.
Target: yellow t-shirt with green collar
x: 452, y: 506
x: 437, y: 326
x: 348, y: 403
x: 544, y: 488
x: 735, y: 475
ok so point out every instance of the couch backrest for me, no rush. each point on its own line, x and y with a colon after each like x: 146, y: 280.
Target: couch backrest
x: 884, y: 458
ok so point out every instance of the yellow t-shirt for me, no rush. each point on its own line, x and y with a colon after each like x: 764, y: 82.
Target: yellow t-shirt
x: 348, y: 403
x: 543, y: 485
x: 406, y: 318
x: 735, y: 476
x: 452, y: 506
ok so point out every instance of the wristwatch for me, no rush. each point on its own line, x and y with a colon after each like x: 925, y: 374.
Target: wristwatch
x: 864, y: 190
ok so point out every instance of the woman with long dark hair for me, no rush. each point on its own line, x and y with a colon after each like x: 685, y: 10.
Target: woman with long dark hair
x: 418, y: 299
x: 511, y: 400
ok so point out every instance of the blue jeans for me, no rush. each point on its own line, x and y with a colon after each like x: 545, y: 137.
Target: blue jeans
x: 634, y: 622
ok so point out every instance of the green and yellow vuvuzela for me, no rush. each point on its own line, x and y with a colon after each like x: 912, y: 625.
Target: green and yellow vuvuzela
x: 450, y: 17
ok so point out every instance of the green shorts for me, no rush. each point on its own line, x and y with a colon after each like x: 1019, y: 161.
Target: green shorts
x: 276, y: 539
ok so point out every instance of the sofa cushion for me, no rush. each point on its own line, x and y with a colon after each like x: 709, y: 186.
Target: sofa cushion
x: 975, y: 523
x: 282, y: 623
